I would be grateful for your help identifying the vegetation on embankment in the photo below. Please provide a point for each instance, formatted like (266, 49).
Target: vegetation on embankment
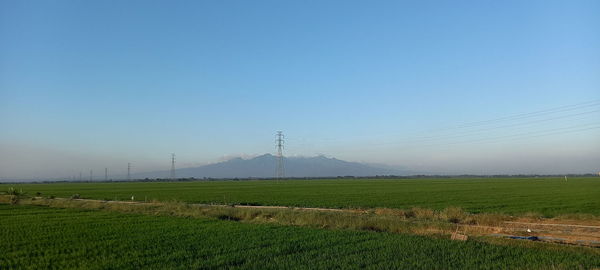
(415, 220)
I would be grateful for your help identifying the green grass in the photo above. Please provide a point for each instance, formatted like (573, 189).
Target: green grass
(39, 238)
(547, 196)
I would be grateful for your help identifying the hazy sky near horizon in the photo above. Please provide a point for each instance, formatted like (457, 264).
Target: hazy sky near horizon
(432, 86)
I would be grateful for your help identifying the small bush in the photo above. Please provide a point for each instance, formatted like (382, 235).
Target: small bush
(390, 212)
(250, 203)
(75, 196)
(490, 219)
(422, 213)
(14, 199)
(371, 227)
(453, 214)
(532, 215)
(228, 217)
(578, 216)
(15, 192)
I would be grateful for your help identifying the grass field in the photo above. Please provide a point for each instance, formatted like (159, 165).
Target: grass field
(547, 196)
(41, 237)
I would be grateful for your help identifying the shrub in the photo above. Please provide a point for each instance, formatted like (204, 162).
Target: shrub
(15, 192)
(453, 214)
(421, 213)
(14, 199)
(490, 219)
(532, 215)
(578, 216)
(391, 212)
(228, 217)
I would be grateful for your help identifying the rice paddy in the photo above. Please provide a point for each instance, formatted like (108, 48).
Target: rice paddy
(80, 234)
(35, 237)
(548, 196)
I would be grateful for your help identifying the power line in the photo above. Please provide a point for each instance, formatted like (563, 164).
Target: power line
(554, 113)
(539, 133)
(280, 173)
(536, 121)
(561, 130)
(548, 132)
(554, 133)
(522, 116)
(503, 127)
(554, 110)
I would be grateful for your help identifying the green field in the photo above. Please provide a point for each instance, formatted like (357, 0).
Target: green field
(547, 196)
(41, 237)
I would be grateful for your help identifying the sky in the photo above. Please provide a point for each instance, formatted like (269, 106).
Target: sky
(449, 87)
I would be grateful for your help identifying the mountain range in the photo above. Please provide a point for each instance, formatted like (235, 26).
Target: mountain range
(264, 166)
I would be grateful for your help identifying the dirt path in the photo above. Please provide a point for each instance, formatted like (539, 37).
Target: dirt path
(300, 208)
(552, 224)
(228, 205)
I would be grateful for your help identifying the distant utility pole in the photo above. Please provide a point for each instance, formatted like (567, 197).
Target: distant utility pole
(172, 166)
(91, 175)
(80, 178)
(279, 142)
(128, 171)
(105, 174)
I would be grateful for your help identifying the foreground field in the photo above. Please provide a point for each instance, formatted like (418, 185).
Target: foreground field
(448, 223)
(547, 196)
(41, 237)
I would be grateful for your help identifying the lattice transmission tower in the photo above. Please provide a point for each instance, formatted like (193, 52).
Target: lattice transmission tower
(172, 166)
(280, 168)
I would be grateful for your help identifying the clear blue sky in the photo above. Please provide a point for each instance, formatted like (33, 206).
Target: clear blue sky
(93, 84)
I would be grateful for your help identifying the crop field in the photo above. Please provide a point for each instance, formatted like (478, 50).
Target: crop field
(546, 196)
(40, 237)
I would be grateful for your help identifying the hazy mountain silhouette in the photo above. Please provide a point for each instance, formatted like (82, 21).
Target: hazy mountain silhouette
(264, 167)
